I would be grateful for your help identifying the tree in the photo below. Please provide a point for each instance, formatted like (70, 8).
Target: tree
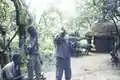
(23, 19)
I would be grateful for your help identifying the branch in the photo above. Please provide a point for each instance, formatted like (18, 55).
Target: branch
(94, 3)
(115, 25)
(43, 14)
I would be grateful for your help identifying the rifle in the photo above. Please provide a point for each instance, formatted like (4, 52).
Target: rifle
(78, 38)
(15, 78)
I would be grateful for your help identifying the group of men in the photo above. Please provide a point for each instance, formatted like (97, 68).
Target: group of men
(11, 71)
(64, 48)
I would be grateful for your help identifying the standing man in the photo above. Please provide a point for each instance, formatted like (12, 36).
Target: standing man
(34, 58)
(11, 71)
(64, 50)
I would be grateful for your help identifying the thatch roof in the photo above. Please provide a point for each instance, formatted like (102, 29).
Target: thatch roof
(101, 28)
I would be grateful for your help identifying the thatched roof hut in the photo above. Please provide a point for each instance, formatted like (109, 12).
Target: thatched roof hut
(101, 28)
(103, 33)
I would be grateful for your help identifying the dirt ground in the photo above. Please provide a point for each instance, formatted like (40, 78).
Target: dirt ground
(93, 67)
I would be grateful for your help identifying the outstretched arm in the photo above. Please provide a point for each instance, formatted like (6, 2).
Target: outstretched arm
(77, 38)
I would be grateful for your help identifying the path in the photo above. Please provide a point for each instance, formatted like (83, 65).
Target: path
(93, 67)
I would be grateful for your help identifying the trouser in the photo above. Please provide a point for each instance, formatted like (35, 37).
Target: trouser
(3, 59)
(34, 66)
(63, 65)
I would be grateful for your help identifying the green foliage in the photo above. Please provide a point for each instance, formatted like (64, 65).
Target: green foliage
(52, 19)
(5, 13)
(89, 13)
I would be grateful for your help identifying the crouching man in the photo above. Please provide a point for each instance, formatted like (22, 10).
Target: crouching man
(11, 71)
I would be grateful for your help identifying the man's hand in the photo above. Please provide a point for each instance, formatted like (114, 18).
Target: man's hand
(28, 49)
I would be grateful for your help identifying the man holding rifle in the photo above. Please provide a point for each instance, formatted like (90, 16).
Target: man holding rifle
(64, 48)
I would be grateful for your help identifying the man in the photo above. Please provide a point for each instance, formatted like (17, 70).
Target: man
(3, 56)
(34, 58)
(64, 49)
(11, 71)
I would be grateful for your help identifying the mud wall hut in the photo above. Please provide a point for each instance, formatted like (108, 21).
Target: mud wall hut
(103, 36)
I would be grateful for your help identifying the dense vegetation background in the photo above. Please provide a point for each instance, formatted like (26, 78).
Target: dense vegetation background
(52, 18)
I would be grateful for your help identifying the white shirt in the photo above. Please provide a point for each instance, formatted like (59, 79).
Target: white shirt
(9, 70)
